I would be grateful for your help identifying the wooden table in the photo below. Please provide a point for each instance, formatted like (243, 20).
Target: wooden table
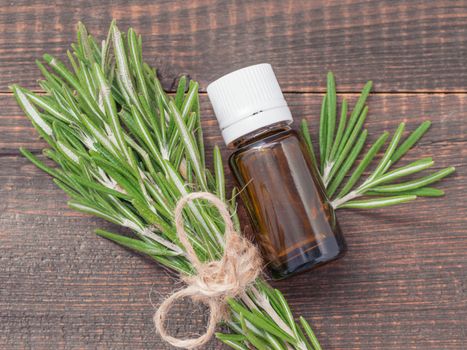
(402, 284)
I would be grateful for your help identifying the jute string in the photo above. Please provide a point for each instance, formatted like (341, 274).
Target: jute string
(214, 281)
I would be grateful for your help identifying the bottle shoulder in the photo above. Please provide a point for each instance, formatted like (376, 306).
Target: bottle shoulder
(266, 141)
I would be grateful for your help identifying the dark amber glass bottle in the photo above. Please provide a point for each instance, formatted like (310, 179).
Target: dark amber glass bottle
(294, 223)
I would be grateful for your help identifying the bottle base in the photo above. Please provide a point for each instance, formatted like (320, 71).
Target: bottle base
(305, 259)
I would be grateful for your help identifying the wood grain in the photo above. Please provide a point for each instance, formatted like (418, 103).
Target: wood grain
(404, 46)
(386, 111)
(402, 283)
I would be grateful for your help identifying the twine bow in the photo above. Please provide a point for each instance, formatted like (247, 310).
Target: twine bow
(214, 281)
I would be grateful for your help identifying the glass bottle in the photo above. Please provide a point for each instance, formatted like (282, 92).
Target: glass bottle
(294, 223)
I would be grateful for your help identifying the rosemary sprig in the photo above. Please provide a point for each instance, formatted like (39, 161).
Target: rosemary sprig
(125, 151)
(340, 150)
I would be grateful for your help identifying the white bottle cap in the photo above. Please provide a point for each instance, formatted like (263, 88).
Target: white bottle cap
(246, 100)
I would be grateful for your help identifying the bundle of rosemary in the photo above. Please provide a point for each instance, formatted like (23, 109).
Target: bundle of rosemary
(127, 152)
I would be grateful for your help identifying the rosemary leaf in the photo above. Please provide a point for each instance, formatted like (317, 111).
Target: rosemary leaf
(347, 164)
(135, 244)
(190, 145)
(414, 184)
(323, 133)
(310, 333)
(306, 136)
(331, 113)
(410, 141)
(409, 169)
(219, 172)
(419, 192)
(260, 322)
(135, 62)
(378, 202)
(356, 112)
(179, 96)
(340, 130)
(347, 148)
(385, 161)
(363, 164)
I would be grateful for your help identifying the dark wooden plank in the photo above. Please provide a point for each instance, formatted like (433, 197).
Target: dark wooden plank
(446, 111)
(401, 285)
(405, 46)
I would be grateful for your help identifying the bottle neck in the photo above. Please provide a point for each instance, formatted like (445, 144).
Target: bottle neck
(260, 133)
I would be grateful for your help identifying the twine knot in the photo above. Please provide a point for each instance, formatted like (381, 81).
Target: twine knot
(214, 281)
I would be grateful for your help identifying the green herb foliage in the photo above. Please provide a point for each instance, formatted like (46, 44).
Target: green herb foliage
(125, 151)
(340, 147)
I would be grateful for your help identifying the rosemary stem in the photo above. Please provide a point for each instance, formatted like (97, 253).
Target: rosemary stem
(338, 202)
